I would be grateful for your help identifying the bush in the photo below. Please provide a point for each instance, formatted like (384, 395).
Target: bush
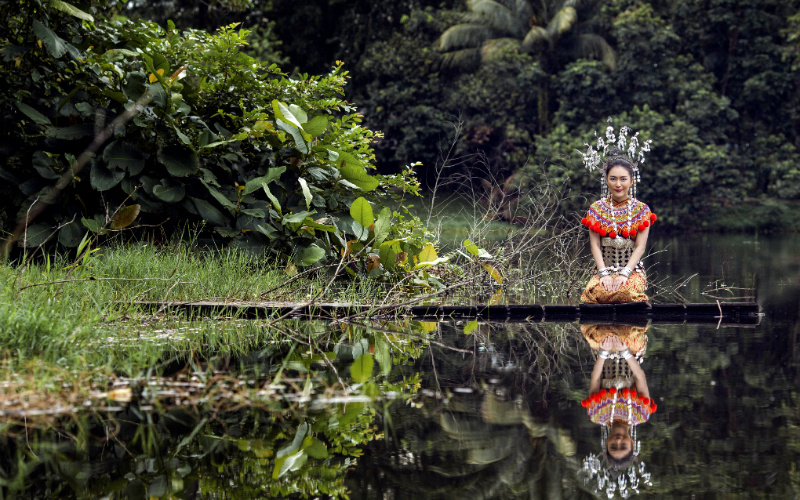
(108, 122)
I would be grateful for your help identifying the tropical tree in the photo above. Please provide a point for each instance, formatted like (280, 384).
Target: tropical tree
(552, 34)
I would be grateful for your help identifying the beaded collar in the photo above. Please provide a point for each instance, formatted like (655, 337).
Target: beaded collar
(627, 219)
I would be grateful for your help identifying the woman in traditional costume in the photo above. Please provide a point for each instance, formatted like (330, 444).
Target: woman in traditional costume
(619, 223)
(619, 400)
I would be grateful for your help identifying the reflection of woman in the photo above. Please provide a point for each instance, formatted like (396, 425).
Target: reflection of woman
(619, 400)
(619, 224)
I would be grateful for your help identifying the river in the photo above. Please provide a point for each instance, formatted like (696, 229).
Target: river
(456, 409)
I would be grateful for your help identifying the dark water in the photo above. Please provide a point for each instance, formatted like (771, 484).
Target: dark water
(485, 410)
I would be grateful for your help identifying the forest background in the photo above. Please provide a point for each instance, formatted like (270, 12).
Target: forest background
(714, 84)
(511, 88)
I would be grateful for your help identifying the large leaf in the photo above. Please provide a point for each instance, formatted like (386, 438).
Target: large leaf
(316, 126)
(361, 369)
(361, 212)
(306, 192)
(56, 47)
(296, 217)
(382, 226)
(71, 10)
(125, 216)
(180, 161)
(298, 113)
(255, 184)
(33, 114)
(73, 132)
(309, 255)
(296, 135)
(169, 190)
(209, 213)
(120, 154)
(282, 112)
(317, 449)
(103, 178)
(71, 234)
(428, 254)
(272, 198)
(36, 234)
(352, 170)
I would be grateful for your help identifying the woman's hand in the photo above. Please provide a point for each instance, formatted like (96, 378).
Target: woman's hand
(608, 343)
(617, 283)
(617, 344)
(607, 282)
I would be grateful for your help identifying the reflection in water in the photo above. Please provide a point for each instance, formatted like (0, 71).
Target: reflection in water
(619, 401)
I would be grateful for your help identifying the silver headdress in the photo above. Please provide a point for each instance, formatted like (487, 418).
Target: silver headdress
(616, 147)
(611, 480)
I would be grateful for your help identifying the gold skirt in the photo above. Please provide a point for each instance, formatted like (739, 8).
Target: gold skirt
(631, 291)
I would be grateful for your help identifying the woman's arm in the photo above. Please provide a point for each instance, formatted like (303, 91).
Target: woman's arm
(638, 249)
(638, 375)
(597, 375)
(597, 250)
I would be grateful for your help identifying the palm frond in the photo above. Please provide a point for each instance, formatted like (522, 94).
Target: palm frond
(595, 46)
(465, 36)
(536, 37)
(562, 21)
(493, 48)
(464, 59)
(500, 17)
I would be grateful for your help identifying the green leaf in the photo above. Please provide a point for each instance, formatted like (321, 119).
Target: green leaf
(227, 232)
(169, 190)
(382, 226)
(36, 234)
(258, 213)
(255, 184)
(308, 255)
(272, 198)
(358, 176)
(361, 369)
(102, 178)
(306, 192)
(267, 230)
(387, 256)
(299, 113)
(470, 327)
(284, 113)
(71, 133)
(33, 114)
(209, 212)
(91, 224)
(71, 10)
(296, 442)
(316, 225)
(297, 217)
(317, 450)
(471, 247)
(221, 198)
(125, 216)
(70, 235)
(56, 47)
(361, 212)
(296, 135)
(180, 161)
(120, 154)
(317, 126)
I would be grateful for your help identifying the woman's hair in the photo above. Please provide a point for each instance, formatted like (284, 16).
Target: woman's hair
(619, 162)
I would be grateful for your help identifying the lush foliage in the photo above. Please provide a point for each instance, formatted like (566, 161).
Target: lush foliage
(107, 121)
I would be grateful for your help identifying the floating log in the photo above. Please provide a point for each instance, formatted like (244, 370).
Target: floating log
(727, 312)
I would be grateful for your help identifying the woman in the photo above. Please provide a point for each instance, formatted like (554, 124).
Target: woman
(619, 400)
(620, 225)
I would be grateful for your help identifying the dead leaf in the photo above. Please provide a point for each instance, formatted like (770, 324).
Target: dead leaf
(125, 216)
(373, 262)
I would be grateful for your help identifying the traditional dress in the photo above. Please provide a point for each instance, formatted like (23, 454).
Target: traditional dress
(618, 225)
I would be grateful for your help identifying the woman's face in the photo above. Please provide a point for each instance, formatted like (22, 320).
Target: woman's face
(619, 443)
(619, 183)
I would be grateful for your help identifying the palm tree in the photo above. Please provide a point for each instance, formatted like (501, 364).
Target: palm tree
(491, 26)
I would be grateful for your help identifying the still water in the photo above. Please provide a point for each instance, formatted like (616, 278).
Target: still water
(470, 410)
